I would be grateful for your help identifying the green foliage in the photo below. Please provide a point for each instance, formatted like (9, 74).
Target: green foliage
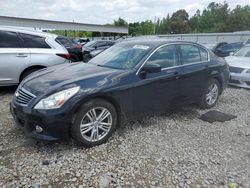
(179, 22)
(71, 33)
(217, 17)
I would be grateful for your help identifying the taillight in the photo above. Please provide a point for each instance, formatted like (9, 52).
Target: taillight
(78, 46)
(65, 56)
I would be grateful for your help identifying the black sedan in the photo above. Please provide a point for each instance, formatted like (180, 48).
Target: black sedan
(130, 80)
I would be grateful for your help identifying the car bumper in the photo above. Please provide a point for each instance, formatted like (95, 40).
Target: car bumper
(41, 125)
(240, 80)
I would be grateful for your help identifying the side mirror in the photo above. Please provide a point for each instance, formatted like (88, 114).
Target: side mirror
(151, 68)
(231, 53)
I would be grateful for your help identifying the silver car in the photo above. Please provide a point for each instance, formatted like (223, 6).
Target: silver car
(239, 66)
(23, 52)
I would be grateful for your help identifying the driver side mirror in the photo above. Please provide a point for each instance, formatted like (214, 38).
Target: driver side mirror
(151, 68)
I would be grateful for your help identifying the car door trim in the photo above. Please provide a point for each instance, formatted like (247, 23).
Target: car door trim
(176, 43)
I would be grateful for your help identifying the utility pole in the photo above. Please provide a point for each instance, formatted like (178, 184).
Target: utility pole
(154, 24)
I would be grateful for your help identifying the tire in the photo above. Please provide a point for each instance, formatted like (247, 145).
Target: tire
(205, 101)
(28, 72)
(89, 133)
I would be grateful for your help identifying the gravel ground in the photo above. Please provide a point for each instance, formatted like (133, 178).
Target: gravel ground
(174, 150)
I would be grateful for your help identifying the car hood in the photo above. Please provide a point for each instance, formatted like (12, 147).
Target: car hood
(57, 77)
(242, 62)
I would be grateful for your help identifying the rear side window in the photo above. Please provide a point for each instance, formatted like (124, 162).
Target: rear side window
(32, 41)
(65, 42)
(9, 40)
(192, 54)
(204, 54)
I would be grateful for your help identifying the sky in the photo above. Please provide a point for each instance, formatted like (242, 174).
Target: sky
(103, 11)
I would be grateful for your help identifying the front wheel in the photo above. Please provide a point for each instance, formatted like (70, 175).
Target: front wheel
(95, 122)
(210, 95)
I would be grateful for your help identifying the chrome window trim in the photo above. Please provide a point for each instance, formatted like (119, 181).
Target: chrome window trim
(176, 43)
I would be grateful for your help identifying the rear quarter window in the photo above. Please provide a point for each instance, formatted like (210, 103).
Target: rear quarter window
(33, 41)
(65, 42)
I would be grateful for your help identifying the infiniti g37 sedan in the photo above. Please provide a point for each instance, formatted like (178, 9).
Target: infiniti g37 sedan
(130, 80)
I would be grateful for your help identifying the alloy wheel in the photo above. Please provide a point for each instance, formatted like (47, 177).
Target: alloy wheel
(212, 94)
(96, 124)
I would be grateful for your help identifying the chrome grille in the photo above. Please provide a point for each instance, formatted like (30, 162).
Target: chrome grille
(23, 96)
(236, 69)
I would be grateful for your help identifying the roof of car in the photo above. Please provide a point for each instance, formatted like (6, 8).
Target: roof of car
(153, 41)
(27, 31)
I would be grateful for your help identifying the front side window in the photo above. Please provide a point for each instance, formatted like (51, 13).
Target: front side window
(192, 54)
(9, 40)
(33, 41)
(165, 57)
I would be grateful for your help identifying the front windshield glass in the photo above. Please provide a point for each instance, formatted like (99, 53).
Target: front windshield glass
(90, 43)
(243, 52)
(121, 56)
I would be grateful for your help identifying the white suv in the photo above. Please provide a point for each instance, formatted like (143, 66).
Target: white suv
(22, 52)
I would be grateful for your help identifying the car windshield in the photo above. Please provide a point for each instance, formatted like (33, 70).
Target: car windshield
(90, 43)
(243, 52)
(121, 56)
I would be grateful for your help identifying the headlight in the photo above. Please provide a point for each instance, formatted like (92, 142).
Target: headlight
(57, 100)
(248, 71)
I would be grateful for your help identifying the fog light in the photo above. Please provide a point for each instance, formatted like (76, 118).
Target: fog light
(39, 129)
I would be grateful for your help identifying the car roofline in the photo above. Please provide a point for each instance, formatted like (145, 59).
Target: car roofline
(27, 31)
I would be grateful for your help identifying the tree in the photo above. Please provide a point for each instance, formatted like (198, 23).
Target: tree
(180, 22)
(239, 20)
(120, 22)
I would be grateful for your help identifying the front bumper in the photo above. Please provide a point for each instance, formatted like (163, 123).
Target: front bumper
(55, 124)
(240, 80)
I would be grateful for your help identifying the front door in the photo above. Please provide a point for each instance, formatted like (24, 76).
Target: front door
(153, 92)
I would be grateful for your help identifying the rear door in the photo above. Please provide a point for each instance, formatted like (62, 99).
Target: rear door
(13, 57)
(195, 71)
(40, 51)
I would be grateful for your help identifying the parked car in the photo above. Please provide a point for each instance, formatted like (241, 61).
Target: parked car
(93, 48)
(83, 41)
(127, 81)
(247, 42)
(239, 66)
(214, 46)
(23, 52)
(75, 50)
(226, 49)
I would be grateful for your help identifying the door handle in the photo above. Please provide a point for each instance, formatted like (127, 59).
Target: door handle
(21, 55)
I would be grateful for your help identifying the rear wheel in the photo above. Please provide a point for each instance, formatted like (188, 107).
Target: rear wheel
(94, 123)
(210, 95)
